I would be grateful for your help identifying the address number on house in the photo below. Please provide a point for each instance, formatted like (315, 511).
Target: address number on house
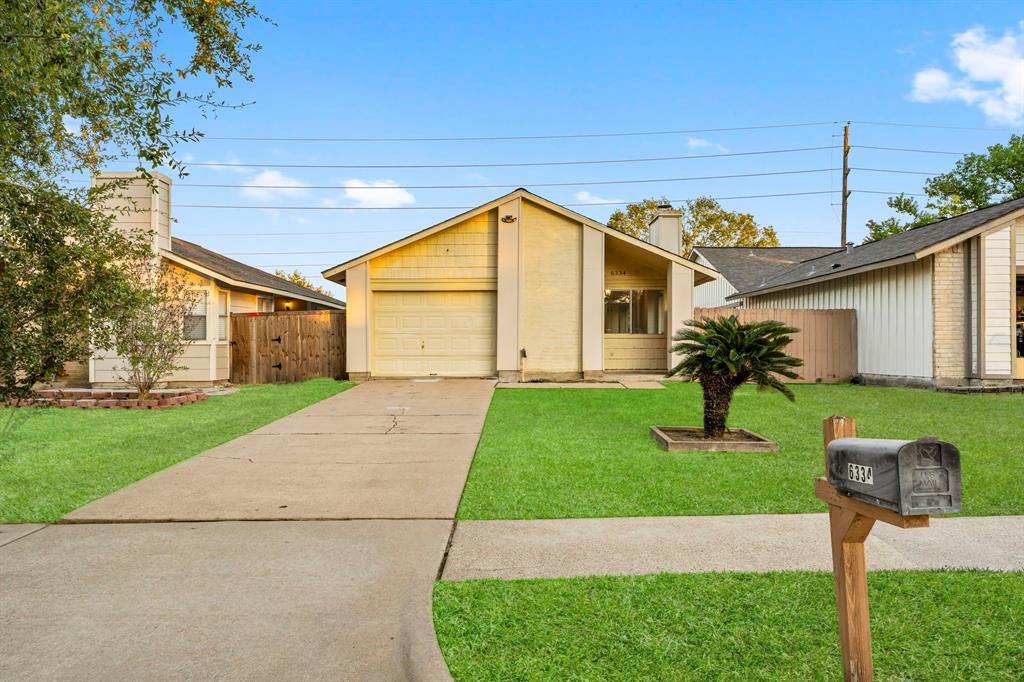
(858, 473)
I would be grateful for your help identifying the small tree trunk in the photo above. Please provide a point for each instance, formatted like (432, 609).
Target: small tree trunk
(717, 399)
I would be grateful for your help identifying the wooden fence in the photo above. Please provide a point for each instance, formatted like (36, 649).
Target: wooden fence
(281, 347)
(826, 342)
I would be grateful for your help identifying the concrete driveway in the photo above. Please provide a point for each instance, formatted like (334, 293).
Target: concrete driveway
(382, 450)
(113, 597)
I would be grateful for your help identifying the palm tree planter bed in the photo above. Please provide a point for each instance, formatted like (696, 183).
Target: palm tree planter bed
(693, 439)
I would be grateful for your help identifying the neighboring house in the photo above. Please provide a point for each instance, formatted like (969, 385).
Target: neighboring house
(228, 287)
(744, 267)
(939, 305)
(521, 288)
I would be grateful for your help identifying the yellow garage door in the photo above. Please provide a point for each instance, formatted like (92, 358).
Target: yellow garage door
(434, 333)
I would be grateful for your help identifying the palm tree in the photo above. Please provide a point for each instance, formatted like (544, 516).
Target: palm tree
(723, 353)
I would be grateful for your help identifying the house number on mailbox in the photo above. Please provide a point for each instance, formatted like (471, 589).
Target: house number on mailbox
(860, 473)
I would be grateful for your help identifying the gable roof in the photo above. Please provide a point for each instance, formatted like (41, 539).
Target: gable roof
(701, 273)
(745, 266)
(241, 275)
(904, 247)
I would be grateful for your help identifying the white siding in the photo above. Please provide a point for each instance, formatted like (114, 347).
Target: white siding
(713, 294)
(1020, 243)
(997, 302)
(894, 315)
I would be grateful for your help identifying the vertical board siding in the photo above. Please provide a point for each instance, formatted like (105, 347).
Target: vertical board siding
(552, 297)
(826, 342)
(284, 347)
(997, 302)
(894, 317)
(713, 294)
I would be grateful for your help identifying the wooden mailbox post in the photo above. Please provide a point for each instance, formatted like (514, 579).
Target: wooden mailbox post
(850, 522)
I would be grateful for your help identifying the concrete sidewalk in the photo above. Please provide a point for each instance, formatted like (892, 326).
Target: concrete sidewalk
(112, 597)
(385, 449)
(783, 542)
(328, 600)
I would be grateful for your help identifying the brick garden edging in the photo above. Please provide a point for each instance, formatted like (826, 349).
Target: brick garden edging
(109, 398)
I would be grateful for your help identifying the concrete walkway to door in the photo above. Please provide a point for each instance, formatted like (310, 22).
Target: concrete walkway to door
(360, 491)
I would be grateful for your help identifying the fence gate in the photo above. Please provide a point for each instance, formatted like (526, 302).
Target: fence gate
(282, 347)
(826, 342)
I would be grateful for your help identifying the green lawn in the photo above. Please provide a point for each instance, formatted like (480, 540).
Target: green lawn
(588, 453)
(55, 460)
(728, 626)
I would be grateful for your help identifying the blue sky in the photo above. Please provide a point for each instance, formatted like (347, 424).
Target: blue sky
(491, 69)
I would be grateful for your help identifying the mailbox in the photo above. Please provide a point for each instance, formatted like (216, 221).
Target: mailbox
(909, 477)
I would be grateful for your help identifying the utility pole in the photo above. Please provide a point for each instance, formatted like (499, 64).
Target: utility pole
(846, 173)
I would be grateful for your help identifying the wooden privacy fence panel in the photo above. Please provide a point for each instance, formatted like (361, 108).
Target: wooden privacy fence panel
(826, 342)
(268, 348)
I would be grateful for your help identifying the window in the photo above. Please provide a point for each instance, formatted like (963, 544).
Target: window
(195, 321)
(222, 316)
(634, 311)
(265, 305)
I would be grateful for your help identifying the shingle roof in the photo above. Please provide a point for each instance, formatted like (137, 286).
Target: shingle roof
(241, 272)
(902, 245)
(744, 267)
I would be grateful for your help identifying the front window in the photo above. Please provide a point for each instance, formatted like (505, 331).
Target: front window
(634, 311)
(195, 321)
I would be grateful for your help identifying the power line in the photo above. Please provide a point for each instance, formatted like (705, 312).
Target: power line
(463, 208)
(893, 170)
(931, 125)
(520, 184)
(302, 234)
(489, 138)
(916, 151)
(505, 165)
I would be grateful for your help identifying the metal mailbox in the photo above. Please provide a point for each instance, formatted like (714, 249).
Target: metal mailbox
(909, 477)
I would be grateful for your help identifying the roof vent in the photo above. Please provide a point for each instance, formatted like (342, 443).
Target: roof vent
(849, 247)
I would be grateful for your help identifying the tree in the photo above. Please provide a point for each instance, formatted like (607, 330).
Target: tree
(86, 82)
(723, 353)
(705, 223)
(64, 270)
(976, 181)
(296, 277)
(148, 334)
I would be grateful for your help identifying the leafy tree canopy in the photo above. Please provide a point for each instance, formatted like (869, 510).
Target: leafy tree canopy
(705, 223)
(976, 181)
(296, 277)
(84, 83)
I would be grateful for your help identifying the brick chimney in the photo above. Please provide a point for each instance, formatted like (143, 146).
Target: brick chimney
(665, 229)
(139, 207)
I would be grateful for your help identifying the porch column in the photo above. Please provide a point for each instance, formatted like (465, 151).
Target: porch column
(357, 328)
(592, 327)
(508, 291)
(679, 303)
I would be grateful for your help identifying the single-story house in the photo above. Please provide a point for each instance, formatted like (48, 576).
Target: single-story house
(520, 288)
(228, 287)
(744, 267)
(940, 305)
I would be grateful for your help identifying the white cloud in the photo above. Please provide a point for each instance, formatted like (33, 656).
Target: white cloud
(374, 194)
(216, 165)
(585, 197)
(72, 125)
(700, 143)
(282, 186)
(991, 75)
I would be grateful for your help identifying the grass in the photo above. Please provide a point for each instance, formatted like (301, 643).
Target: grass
(728, 626)
(588, 453)
(55, 460)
